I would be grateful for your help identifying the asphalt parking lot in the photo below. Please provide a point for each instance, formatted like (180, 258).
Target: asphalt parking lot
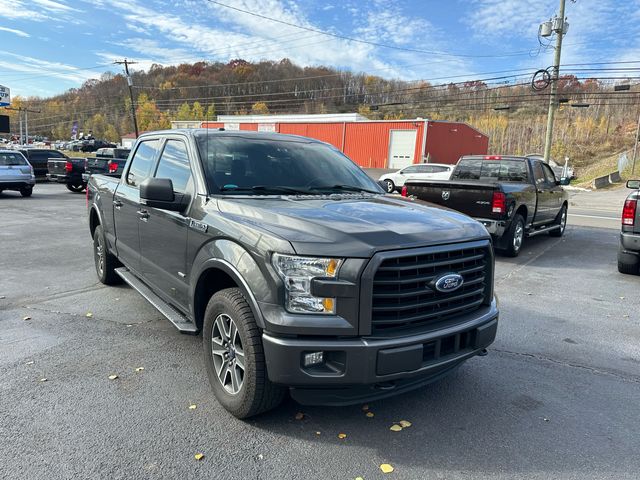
(557, 396)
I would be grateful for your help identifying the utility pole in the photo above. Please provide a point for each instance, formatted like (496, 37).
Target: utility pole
(635, 147)
(26, 111)
(559, 29)
(126, 64)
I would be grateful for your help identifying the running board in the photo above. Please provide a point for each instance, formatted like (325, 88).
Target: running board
(175, 317)
(542, 230)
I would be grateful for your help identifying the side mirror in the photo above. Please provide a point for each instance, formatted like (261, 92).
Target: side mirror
(634, 184)
(158, 193)
(564, 181)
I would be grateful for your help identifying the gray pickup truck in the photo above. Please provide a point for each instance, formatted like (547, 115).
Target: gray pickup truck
(300, 272)
(629, 248)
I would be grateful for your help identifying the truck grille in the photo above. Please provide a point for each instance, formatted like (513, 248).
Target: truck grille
(402, 298)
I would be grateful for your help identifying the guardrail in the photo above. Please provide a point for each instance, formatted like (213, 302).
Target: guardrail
(606, 180)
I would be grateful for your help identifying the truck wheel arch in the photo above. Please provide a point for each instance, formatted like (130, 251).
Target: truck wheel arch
(215, 275)
(94, 220)
(522, 210)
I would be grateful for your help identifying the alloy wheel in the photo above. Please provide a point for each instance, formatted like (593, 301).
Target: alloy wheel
(228, 354)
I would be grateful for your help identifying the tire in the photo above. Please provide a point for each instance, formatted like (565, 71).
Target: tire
(248, 392)
(514, 237)
(75, 188)
(628, 263)
(627, 269)
(26, 192)
(389, 186)
(561, 219)
(104, 261)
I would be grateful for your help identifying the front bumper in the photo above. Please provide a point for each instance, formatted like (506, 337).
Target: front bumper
(367, 368)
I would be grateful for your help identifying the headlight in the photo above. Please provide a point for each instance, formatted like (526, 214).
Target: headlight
(297, 273)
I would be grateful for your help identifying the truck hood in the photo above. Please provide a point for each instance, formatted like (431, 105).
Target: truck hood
(352, 225)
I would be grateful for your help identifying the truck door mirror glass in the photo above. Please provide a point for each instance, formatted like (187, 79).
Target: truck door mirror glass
(634, 184)
(564, 181)
(158, 193)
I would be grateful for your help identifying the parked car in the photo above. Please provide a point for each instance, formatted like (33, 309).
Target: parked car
(107, 160)
(301, 273)
(629, 248)
(513, 197)
(16, 173)
(422, 171)
(92, 145)
(68, 171)
(39, 157)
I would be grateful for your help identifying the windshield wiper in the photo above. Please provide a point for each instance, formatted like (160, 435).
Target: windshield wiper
(344, 188)
(275, 189)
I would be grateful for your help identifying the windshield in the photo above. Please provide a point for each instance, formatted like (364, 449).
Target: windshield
(245, 165)
(7, 159)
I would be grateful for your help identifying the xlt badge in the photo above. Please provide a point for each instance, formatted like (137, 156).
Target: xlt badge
(200, 226)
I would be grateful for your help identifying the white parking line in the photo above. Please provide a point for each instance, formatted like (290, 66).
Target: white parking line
(593, 216)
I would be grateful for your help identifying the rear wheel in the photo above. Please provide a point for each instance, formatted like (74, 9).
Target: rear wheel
(389, 186)
(514, 236)
(628, 263)
(105, 262)
(561, 220)
(26, 191)
(76, 188)
(234, 356)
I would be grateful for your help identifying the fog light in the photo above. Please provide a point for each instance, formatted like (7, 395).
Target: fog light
(313, 358)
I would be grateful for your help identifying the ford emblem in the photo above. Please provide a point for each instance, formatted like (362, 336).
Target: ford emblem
(446, 194)
(449, 282)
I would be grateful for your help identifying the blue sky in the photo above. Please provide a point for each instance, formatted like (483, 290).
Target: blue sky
(48, 46)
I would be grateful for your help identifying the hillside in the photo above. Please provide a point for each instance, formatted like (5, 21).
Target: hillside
(505, 107)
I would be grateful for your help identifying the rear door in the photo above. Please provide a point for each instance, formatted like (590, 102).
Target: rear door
(544, 191)
(126, 203)
(163, 235)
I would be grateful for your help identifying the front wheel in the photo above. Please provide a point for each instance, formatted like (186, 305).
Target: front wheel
(76, 188)
(234, 356)
(26, 191)
(561, 220)
(389, 186)
(514, 236)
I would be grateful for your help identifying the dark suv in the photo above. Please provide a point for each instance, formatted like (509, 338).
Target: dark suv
(629, 249)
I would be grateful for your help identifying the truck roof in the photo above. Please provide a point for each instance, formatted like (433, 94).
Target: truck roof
(496, 157)
(232, 133)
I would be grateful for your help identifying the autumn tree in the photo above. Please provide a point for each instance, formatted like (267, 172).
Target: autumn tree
(260, 108)
(184, 112)
(197, 112)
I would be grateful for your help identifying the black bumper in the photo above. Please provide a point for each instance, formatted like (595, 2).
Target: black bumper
(367, 368)
(73, 179)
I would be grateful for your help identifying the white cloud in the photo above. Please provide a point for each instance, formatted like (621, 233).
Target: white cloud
(20, 33)
(31, 66)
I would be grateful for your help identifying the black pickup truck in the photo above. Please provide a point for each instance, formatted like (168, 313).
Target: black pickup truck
(300, 272)
(39, 159)
(68, 171)
(513, 197)
(107, 160)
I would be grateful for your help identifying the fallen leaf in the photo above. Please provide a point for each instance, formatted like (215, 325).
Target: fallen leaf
(193, 406)
(43, 379)
(625, 316)
(395, 427)
(2, 297)
(546, 419)
(89, 314)
(359, 478)
(342, 436)
(30, 362)
(139, 369)
(386, 468)
(318, 433)
(260, 456)
(299, 416)
(113, 377)
(529, 293)
(198, 456)
(405, 423)
(129, 325)
(27, 318)
(370, 414)
(621, 298)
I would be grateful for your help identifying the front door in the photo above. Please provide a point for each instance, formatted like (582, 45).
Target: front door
(163, 235)
(126, 204)
(544, 194)
(555, 192)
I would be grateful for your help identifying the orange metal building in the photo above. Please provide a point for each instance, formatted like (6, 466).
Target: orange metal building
(379, 144)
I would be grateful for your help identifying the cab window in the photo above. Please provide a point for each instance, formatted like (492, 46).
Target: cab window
(548, 173)
(174, 164)
(538, 173)
(142, 162)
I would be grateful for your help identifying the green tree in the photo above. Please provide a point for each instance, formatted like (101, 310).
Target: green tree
(111, 134)
(211, 112)
(97, 124)
(197, 112)
(184, 112)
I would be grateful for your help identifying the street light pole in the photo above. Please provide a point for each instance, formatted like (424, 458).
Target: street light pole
(553, 103)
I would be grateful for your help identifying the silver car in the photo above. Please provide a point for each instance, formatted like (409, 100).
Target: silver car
(16, 173)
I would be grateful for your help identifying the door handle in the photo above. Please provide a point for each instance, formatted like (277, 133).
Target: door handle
(117, 204)
(143, 214)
